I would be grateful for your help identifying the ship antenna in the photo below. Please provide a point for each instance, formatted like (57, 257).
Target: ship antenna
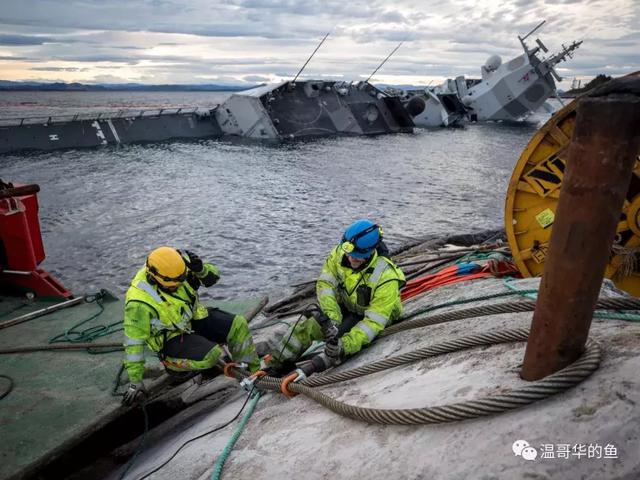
(308, 59)
(384, 61)
(522, 39)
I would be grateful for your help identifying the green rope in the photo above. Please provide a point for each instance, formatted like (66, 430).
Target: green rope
(615, 315)
(88, 335)
(532, 294)
(485, 255)
(629, 317)
(217, 468)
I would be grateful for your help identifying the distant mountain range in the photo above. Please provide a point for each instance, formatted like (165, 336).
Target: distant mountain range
(6, 85)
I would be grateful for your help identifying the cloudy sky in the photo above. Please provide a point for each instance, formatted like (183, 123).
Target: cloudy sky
(249, 41)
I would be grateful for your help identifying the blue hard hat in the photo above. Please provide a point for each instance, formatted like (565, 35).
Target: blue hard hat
(361, 238)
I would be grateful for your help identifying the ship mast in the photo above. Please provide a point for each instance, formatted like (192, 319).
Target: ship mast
(384, 61)
(310, 57)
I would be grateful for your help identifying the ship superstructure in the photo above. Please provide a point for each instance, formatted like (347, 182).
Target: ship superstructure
(509, 90)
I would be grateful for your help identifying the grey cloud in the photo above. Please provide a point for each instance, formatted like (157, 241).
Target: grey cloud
(22, 40)
(376, 33)
(442, 38)
(174, 60)
(129, 47)
(106, 79)
(14, 59)
(142, 16)
(59, 69)
(390, 16)
(100, 58)
(255, 78)
(336, 8)
(623, 43)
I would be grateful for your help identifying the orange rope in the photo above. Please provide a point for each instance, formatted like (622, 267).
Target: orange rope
(258, 374)
(226, 368)
(450, 274)
(285, 384)
(446, 276)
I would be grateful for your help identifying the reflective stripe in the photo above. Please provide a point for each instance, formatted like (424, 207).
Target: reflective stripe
(246, 344)
(132, 341)
(377, 318)
(142, 285)
(136, 357)
(378, 271)
(327, 277)
(326, 291)
(183, 326)
(158, 325)
(367, 331)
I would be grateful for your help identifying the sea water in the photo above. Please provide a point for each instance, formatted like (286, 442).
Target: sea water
(266, 215)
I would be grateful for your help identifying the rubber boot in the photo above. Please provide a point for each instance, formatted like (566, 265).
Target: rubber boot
(176, 378)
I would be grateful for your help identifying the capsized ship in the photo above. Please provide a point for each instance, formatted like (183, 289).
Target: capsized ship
(279, 112)
(508, 91)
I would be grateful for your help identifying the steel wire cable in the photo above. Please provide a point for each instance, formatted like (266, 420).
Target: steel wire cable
(496, 309)
(550, 385)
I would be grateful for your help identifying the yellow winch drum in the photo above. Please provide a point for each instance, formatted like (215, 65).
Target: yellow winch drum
(533, 195)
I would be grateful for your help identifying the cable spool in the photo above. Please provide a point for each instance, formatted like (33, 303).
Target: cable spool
(532, 198)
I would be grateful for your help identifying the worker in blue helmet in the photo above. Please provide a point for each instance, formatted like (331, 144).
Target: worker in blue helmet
(358, 294)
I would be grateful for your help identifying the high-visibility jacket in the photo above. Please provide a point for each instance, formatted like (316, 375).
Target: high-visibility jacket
(373, 292)
(153, 316)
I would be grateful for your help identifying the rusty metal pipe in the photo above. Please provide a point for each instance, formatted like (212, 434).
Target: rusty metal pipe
(601, 157)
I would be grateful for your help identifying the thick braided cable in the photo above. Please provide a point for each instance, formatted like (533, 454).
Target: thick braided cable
(496, 309)
(550, 385)
(489, 338)
(555, 383)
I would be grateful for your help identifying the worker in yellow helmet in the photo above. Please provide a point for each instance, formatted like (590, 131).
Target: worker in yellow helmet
(162, 310)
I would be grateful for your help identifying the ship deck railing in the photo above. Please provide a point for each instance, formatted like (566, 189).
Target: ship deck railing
(94, 116)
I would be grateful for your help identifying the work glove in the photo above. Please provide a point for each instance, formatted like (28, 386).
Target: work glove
(193, 261)
(333, 350)
(329, 329)
(136, 393)
(330, 333)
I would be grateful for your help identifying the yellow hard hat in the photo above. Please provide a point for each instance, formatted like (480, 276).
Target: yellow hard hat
(167, 267)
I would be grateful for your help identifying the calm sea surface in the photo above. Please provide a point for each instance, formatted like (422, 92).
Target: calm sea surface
(267, 215)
